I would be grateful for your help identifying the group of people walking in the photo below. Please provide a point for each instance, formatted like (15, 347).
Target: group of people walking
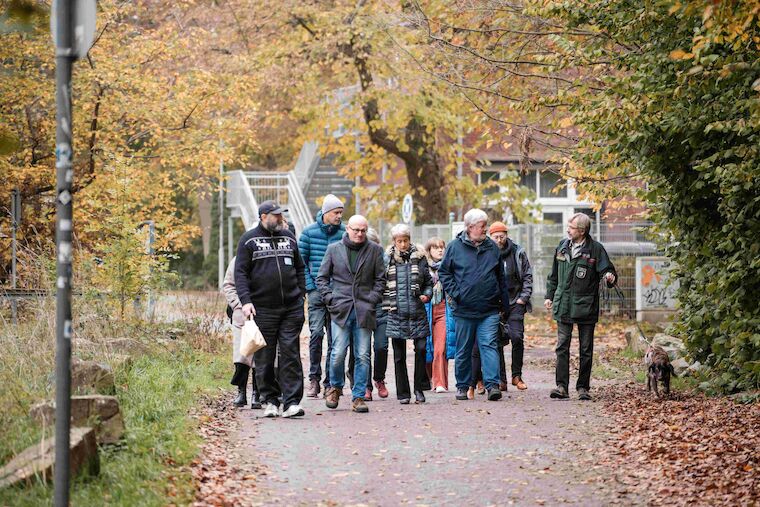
(463, 301)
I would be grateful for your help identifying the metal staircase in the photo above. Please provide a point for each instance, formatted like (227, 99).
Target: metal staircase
(326, 180)
(312, 176)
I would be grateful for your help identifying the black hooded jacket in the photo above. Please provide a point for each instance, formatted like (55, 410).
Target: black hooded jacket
(269, 271)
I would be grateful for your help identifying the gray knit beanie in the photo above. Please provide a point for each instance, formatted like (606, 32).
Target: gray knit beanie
(330, 203)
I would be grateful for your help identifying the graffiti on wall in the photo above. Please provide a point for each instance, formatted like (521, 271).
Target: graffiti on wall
(654, 289)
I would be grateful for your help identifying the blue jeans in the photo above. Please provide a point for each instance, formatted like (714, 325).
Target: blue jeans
(486, 332)
(360, 338)
(319, 321)
(380, 346)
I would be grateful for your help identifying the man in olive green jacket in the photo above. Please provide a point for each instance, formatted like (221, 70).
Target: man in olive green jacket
(572, 294)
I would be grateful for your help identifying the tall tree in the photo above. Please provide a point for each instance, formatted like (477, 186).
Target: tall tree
(353, 67)
(150, 109)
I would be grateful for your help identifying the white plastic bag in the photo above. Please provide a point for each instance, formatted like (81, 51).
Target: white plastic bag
(251, 338)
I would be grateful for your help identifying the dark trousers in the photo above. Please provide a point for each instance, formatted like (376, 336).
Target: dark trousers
(281, 328)
(240, 377)
(319, 324)
(586, 342)
(477, 372)
(516, 330)
(421, 380)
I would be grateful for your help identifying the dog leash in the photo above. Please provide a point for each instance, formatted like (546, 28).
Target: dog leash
(635, 320)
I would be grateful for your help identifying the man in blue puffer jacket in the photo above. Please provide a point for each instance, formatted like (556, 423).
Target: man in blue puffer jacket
(313, 244)
(477, 289)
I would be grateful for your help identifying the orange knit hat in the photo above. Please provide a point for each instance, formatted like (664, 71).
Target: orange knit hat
(497, 227)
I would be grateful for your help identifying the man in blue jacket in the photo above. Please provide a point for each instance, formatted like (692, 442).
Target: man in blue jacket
(472, 278)
(313, 244)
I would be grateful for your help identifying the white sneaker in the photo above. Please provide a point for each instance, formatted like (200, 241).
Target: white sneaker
(293, 411)
(441, 389)
(271, 410)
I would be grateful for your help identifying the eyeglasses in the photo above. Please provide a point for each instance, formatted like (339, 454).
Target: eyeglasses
(359, 231)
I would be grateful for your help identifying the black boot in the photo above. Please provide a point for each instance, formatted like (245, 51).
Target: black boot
(240, 379)
(255, 400)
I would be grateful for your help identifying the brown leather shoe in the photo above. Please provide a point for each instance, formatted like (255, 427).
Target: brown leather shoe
(480, 389)
(332, 396)
(471, 393)
(367, 395)
(313, 391)
(518, 381)
(382, 391)
(502, 386)
(358, 405)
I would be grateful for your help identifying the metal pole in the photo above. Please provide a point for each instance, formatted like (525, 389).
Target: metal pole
(15, 218)
(598, 226)
(65, 57)
(357, 197)
(229, 240)
(149, 252)
(221, 217)
(460, 161)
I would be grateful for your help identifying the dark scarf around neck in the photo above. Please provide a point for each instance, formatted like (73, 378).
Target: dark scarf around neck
(350, 244)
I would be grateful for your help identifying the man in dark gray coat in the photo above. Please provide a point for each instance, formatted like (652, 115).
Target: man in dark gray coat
(351, 281)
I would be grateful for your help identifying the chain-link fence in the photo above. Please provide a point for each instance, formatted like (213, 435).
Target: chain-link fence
(624, 241)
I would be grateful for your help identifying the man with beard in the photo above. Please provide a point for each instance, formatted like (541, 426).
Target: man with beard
(269, 277)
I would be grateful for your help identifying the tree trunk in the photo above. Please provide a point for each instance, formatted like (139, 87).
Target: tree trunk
(423, 169)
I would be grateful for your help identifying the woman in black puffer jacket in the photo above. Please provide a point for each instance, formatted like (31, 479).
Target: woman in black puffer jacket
(409, 287)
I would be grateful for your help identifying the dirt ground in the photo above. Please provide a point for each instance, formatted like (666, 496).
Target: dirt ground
(525, 449)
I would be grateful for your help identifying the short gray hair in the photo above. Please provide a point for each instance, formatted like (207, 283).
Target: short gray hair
(474, 216)
(401, 230)
(582, 221)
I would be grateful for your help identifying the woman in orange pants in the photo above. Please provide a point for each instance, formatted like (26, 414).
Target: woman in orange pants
(441, 344)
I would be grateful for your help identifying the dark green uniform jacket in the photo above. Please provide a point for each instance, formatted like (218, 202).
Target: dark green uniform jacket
(573, 284)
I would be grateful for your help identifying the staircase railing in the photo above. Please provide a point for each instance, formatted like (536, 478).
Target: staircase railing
(246, 189)
(308, 160)
(240, 197)
(298, 207)
(283, 188)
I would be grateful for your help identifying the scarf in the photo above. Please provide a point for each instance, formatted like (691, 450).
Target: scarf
(350, 244)
(437, 285)
(353, 252)
(411, 256)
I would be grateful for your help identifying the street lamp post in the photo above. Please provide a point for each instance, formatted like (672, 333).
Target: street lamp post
(220, 260)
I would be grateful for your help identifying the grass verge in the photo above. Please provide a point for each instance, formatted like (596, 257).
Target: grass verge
(157, 392)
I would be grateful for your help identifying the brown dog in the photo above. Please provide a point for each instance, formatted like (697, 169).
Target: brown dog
(658, 369)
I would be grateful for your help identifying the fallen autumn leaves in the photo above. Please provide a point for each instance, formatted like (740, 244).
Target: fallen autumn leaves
(683, 449)
(220, 476)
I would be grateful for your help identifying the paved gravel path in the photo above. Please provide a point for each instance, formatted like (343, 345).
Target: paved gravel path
(523, 450)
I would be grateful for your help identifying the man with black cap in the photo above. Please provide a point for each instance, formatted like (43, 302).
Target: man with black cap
(269, 277)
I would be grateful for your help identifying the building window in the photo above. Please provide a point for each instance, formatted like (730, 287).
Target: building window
(553, 218)
(552, 184)
(543, 182)
(586, 211)
(485, 177)
(529, 179)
